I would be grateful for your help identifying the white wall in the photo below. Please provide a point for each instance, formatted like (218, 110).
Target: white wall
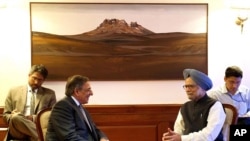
(226, 46)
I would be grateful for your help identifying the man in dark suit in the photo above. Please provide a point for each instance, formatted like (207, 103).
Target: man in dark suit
(24, 102)
(69, 121)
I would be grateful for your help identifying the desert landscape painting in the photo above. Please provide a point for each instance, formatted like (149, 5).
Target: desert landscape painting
(118, 49)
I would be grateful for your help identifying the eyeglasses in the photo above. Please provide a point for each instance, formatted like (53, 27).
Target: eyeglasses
(37, 79)
(189, 86)
(86, 90)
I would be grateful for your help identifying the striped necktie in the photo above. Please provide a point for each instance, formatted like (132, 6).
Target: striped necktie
(85, 117)
(32, 103)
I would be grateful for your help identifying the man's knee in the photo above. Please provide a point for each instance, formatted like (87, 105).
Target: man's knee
(15, 119)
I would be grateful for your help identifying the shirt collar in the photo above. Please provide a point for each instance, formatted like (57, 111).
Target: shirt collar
(76, 101)
(225, 91)
(30, 90)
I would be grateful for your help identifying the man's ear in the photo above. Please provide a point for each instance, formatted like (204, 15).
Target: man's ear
(76, 91)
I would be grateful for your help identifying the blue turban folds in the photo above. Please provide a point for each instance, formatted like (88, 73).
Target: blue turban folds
(199, 78)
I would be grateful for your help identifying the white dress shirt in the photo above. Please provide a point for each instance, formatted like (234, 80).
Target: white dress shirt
(215, 122)
(241, 99)
(28, 100)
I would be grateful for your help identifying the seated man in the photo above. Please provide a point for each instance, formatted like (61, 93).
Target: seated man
(232, 92)
(69, 120)
(24, 102)
(202, 117)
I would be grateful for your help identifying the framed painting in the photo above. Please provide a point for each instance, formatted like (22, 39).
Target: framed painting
(119, 41)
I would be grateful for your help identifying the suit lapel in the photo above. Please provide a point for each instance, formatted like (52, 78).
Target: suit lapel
(83, 119)
(91, 125)
(39, 95)
(23, 97)
(79, 112)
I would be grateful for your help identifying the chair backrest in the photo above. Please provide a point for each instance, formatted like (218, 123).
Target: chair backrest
(231, 118)
(42, 123)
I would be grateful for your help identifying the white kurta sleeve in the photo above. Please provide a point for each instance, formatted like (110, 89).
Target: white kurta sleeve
(215, 121)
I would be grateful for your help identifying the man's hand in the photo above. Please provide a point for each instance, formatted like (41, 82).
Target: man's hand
(103, 139)
(246, 115)
(29, 117)
(171, 136)
(15, 112)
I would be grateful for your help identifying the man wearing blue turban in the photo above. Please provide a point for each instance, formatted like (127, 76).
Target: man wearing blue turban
(202, 117)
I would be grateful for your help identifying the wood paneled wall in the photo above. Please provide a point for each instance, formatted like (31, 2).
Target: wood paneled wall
(3, 126)
(129, 122)
(134, 122)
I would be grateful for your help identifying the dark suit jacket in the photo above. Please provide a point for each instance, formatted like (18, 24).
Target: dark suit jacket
(16, 99)
(67, 123)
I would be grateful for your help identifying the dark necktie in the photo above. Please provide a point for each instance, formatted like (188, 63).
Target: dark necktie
(85, 117)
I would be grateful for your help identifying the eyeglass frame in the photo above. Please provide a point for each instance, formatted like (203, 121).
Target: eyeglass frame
(190, 86)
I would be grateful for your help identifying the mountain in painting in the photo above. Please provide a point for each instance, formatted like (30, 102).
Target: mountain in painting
(116, 50)
(115, 26)
(114, 29)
